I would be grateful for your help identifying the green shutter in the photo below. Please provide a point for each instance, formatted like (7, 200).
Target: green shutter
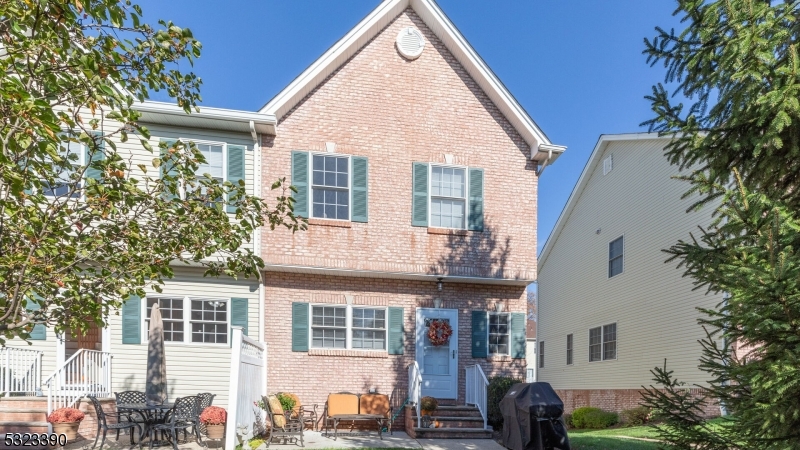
(300, 182)
(359, 190)
(99, 155)
(395, 342)
(235, 168)
(132, 320)
(419, 202)
(239, 313)
(480, 336)
(518, 340)
(475, 221)
(299, 327)
(39, 332)
(162, 169)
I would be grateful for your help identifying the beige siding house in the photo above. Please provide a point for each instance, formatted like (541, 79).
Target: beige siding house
(610, 309)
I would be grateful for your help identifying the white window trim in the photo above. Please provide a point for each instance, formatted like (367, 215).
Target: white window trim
(187, 319)
(466, 194)
(224, 159)
(348, 343)
(608, 259)
(349, 185)
(488, 333)
(602, 341)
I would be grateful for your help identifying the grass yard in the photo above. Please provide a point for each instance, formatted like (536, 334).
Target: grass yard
(613, 439)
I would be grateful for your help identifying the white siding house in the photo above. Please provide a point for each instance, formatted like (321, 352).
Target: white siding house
(610, 308)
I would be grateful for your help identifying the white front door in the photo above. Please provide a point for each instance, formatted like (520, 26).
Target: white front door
(438, 363)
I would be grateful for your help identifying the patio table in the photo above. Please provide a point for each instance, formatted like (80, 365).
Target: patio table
(381, 419)
(152, 414)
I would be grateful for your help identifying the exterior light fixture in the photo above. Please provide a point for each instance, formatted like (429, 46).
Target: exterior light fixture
(215, 304)
(499, 307)
(439, 284)
(437, 303)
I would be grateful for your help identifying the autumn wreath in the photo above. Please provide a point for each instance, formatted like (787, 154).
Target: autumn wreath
(439, 332)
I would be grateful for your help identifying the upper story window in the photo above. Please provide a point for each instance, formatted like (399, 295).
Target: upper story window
(603, 343)
(330, 185)
(499, 333)
(73, 154)
(448, 197)
(348, 327)
(569, 349)
(214, 166)
(191, 319)
(615, 250)
(541, 354)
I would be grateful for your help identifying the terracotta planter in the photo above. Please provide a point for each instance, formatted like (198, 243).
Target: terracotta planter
(216, 431)
(70, 429)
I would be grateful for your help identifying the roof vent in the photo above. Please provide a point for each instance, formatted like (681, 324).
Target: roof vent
(410, 43)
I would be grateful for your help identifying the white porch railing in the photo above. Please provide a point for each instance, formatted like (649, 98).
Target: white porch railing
(476, 389)
(87, 372)
(530, 376)
(20, 371)
(415, 389)
(248, 383)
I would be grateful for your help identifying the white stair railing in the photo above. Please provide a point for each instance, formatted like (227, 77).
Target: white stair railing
(415, 389)
(20, 371)
(87, 372)
(477, 385)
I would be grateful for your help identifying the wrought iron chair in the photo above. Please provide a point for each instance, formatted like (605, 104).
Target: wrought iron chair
(204, 400)
(308, 414)
(103, 424)
(180, 417)
(281, 423)
(129, 397)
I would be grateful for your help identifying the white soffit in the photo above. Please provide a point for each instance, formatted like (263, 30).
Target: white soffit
(443, 28)
(594, 160)
(209, 118)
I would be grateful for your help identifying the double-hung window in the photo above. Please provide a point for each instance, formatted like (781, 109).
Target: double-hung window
(72, 155)
(448, 197)
(330, 185)
(498, 333)
(541, 354)
(348, 327)
(191, 319)
(603, 343)
(214, 154)
(615, 250)
(569, 349)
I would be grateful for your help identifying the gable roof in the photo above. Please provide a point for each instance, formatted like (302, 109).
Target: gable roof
(594, 160)
(542, 149)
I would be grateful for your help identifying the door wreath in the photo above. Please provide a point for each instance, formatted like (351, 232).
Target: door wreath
(439, 332)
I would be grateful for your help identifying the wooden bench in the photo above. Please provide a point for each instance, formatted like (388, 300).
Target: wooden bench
(352, 407)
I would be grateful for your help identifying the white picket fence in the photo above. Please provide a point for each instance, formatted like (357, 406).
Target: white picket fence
(248, 383)
(20, 372)
(477, 386)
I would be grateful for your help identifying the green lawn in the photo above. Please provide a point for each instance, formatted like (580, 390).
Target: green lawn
(609, 439)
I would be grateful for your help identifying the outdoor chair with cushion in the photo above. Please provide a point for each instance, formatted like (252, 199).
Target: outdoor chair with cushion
(281, 423)
(102, 424)
(181, 417)
(128, 397)
(350, 407)
(308, 414)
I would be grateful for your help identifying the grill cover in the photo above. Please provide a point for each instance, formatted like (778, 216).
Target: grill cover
(532, 418)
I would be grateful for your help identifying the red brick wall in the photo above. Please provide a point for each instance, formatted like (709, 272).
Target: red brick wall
(615, 400)
(313, 375)
(396, 112)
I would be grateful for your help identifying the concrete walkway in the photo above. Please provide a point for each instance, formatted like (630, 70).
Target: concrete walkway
(317, 440)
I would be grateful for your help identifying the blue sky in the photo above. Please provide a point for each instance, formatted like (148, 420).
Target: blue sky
(575, 66)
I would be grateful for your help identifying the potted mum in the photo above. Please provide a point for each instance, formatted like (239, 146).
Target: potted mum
(214, 419)
(66, 421)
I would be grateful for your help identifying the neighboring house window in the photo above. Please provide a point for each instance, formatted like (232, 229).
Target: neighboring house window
(603, 343)
(615, 249)
(207, 318)
(65, 170)
(541, 355)
(330, 185)
(448, 197)
(347, 327)
(498, 333)
(569, 349)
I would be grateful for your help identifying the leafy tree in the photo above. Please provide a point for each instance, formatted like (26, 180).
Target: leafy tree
(737, 62)
(79, 235)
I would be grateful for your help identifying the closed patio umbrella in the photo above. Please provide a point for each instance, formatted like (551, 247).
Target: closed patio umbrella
(156, 381)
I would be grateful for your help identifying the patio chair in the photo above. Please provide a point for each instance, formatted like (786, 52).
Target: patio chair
(204, 400)
(129, 397)
(281, 423)
(309, 416)
(102, 424)
(180, 417)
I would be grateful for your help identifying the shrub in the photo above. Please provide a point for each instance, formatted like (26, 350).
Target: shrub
(600, 419)
(579, 414)
(636, 416)
(213, 415)
(287, 402)
(65, 415)
(567, 420)
(428, 404)
(498, 388)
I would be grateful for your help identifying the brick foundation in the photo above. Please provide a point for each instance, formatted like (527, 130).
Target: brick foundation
(615, 400)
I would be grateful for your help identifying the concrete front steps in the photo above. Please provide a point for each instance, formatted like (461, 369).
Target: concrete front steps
(454, 422)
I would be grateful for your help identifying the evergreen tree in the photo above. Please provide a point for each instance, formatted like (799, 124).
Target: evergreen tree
(737, 63)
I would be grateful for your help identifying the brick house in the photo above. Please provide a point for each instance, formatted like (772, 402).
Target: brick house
(401, 143)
